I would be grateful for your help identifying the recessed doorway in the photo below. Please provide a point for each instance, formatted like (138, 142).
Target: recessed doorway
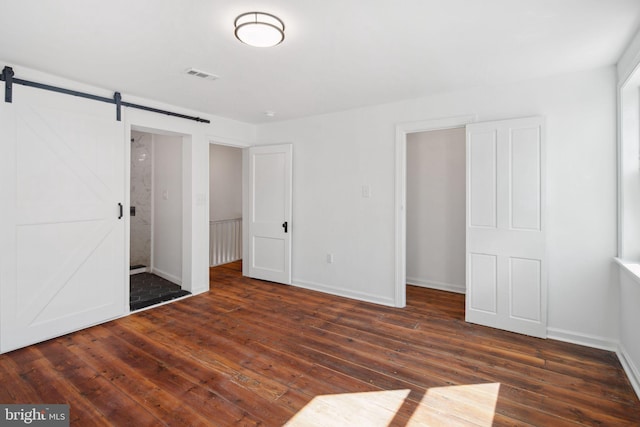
(436, 209)
(156, 218)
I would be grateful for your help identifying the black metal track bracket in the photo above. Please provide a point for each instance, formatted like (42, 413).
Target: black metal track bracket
(117, 98)
(8, 77)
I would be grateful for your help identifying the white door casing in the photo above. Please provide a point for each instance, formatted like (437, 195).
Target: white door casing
(402, 131)
(506, 254)
(270, 185)
(62, 264)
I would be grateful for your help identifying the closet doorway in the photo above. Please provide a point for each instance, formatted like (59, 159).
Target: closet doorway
(505, 247)
(156, 219)
(417, 270)
(435, 215)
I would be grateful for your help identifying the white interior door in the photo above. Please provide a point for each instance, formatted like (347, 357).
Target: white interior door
(506, 261)
(62, 265)
(270, 169)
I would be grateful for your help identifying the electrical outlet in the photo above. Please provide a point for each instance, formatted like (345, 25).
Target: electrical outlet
(329, 258)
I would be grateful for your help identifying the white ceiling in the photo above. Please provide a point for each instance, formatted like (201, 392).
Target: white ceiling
(338, 54)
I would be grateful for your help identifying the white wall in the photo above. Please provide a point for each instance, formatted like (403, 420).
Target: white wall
(436, 209)
(167, 207)
(335, 154)
(225, 182)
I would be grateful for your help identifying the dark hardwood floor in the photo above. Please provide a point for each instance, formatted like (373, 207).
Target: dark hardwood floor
(256, 353)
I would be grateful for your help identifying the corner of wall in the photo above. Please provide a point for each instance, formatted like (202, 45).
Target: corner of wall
(632, 371)
(629, 59)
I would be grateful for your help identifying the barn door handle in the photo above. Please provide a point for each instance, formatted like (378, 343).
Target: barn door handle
(285, 225)
(120, 207)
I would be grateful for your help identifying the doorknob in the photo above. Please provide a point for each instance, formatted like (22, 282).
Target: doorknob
(285, 225)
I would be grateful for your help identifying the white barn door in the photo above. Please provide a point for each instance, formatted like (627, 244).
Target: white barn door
(506, 261)
(62, 245)
(270, 169)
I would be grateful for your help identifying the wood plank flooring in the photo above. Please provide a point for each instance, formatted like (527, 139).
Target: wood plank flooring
(256, 353)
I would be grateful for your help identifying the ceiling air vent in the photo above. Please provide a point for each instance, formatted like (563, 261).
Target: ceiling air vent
(201, 74)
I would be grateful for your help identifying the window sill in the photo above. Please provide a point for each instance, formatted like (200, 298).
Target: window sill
(632, 267)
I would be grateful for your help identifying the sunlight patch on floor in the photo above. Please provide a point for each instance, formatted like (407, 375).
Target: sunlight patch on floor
(376, 408)
(472, 405)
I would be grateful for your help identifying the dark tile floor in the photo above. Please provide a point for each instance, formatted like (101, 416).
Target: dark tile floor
(147, 289)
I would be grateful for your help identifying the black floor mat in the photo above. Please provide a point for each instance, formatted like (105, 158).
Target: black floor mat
(148, 289)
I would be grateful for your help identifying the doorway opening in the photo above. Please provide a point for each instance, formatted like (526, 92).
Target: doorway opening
(225, 205)
(448, 127)
(156, 219)
(435, 246)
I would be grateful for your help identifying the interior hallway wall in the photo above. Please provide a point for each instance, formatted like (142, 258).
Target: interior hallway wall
(436, 209)
(167, 207)
(141, 162)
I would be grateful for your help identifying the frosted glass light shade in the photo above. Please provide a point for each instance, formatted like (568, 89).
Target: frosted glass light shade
(259, 29)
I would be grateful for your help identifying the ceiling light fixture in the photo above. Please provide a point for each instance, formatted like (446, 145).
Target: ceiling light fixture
(259, 29)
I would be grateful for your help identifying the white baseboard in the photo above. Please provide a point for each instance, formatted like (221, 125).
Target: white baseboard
(199, 291)
(138, 271)
(361, 296)
(169, 277)
(212, 264)
(582, 339)
(432, 284)
(632, 371)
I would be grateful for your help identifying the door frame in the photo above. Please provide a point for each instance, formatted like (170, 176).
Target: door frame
(223, 142)
(402, 130)
(187, 172)
(244, 146)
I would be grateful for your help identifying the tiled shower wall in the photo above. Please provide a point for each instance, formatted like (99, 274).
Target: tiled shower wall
(141, 182)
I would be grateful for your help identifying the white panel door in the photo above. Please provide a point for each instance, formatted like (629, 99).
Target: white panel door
(62, 265)
(270, 169)
(506, 261)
